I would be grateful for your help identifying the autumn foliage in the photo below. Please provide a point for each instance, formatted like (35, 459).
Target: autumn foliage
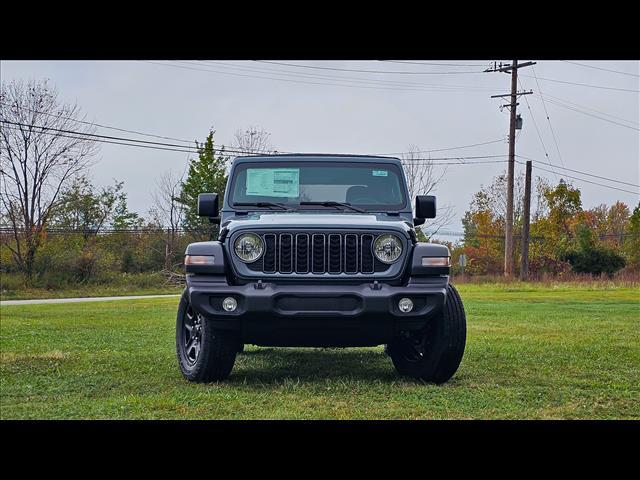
(563, 236)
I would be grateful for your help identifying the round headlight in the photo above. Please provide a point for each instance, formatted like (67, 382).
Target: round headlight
(248, 247)
(387, 248)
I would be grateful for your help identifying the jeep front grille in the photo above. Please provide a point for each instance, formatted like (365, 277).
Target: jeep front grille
(333, 253)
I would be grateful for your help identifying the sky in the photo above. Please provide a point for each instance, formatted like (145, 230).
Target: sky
(317, 106)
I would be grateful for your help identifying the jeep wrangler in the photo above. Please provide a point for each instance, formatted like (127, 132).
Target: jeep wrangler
(319, 251)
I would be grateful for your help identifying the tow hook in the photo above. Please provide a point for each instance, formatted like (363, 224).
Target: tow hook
(376, 285)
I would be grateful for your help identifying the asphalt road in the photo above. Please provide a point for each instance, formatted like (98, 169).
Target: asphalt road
(82, 299)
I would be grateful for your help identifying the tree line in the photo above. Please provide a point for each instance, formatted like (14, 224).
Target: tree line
(564, 236)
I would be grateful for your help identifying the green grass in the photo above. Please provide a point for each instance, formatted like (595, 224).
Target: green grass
(532, 352)
(12, 287)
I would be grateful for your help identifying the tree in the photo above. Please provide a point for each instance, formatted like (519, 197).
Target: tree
(123, 218)
(422, 179)
(168, 210)
(632, 238)
(484, 225)
(207, 173)
(81, 207)
(253, 140)
(37, 160)
(591, 256)
(564, 203)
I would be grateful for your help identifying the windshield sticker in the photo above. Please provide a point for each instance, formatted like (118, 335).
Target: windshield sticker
(379, 173)
(273, 182)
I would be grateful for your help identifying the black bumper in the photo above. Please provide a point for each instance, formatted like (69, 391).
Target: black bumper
(280, 314)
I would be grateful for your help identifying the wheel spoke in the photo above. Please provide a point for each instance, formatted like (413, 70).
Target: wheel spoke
(191, 323)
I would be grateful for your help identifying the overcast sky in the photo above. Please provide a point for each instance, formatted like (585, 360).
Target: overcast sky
(312, 110)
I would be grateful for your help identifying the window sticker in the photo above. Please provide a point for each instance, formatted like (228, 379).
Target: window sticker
(273, 182)
(379, 173)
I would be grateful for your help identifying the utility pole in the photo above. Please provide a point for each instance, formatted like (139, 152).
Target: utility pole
(508, 230)
(524, 267)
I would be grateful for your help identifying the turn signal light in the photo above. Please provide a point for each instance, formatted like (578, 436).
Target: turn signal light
(199, 260)
(436, 261)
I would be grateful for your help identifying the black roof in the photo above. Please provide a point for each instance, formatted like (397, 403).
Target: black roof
(315, 155)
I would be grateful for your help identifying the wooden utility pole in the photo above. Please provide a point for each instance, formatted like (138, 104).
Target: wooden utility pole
(508, 230)
(524, 267)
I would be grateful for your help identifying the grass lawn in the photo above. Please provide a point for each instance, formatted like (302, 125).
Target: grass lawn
(12, 287)
(532, 352)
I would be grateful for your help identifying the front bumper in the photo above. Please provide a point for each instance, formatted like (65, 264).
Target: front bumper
(280, 314)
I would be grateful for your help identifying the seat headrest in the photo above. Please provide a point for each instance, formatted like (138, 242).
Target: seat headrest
(357, 191)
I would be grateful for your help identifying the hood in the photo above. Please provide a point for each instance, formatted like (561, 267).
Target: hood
(310, 220)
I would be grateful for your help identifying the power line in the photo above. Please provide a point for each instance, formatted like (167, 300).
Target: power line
(553, 134)
(363, 71)
(456, 163)
(584, 84)
(535, 124)
(434, 63)
(588, 181)
(593, 116)
(577, 105)
(78, 136)
(588, 174)
(453, 160)
(82, 136)
(450, 88)
(600, 68)
(102, 125)
(194, 149)
(445, 149)
(341, 78)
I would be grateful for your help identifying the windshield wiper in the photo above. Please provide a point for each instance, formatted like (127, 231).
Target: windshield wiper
(331, 203)
(263, 204)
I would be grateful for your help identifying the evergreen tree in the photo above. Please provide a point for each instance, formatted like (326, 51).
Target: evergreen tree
(207, 173)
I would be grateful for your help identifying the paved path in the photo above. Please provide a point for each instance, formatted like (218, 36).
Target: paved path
(82, 299)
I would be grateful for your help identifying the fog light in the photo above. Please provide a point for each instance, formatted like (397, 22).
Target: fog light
(405, 305)
(229, 304)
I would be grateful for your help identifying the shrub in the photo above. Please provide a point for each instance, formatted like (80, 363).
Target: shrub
(591, 257)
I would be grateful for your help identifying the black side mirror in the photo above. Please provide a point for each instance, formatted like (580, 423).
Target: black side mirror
(425, 208)
(208, 205)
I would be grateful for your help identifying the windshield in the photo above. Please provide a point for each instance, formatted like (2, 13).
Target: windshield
(369, 186)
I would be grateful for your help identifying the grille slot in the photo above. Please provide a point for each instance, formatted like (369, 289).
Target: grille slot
(350, 253)
(335, 250)
(269, 265)
(318, 263)
(286, 255)
(302, 253)
(366, 254)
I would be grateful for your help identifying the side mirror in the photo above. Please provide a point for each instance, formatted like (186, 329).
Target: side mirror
(208, 205)
(425, 207)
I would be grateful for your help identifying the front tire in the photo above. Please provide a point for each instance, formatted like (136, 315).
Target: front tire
(434, 354)
(204, 354)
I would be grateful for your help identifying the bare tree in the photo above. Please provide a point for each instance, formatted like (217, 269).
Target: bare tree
(493, 197)
(253, 140)
(168, 210)
(423, 179)
(37, 160)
